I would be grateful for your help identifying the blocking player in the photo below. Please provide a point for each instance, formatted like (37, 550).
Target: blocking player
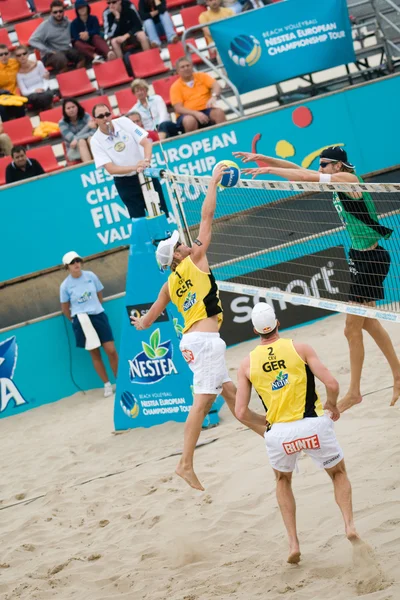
(192, 288)
(282, 373)
(368, 262)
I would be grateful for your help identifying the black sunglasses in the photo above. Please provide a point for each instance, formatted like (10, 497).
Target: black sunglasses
(21, 54)
(324, 164)
(76, 260)
(4, 53)
(112, 2)
(57, 12)
(102, 115)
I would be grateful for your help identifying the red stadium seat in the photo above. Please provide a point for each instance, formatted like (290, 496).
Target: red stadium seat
(70, 14)
(177, 3)
(24, 30)
(125, 99)
(5, 38)
(111, 73)
(21, 132)
(147, 63)
(97, 9)
(46, 157)
(14, 10)
(176, 51)
(162, 87)
(4, 162)
(74, 83)
(190, 16)
(136, 3)
(53, 115)
(91, 102)
(42, 6)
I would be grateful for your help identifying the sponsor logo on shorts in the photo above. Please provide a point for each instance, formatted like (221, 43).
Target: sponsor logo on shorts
(331, 460)
(308, 443)
(188, 355)
(190, 301)
(281, 380)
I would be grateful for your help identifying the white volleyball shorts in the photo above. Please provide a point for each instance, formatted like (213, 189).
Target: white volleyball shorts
(205, 354)
(313, 435)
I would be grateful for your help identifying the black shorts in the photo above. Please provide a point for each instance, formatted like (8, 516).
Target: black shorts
(368, 270)
(100, 323)
(130, 192)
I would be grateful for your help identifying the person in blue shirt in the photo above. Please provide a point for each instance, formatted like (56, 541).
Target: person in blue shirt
(86, 35)
(81, 292)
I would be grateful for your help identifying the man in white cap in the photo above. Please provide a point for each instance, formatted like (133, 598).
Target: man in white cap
(192, 288)
(282, 373)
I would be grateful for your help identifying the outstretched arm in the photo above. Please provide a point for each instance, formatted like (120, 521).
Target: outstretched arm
(269, 160)
(300, 174)
(243, 394)
(155, 311)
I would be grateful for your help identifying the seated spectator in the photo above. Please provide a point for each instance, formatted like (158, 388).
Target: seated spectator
(215, 12)
(22, 167)
(9, 68)
(235, 5)
(33, 80)
(86, 35)
(156, 21)
(193, 97)
(137, 119)
(53, 39)
(5, 142)
(77, 128)
(123, 27)
(153, 110)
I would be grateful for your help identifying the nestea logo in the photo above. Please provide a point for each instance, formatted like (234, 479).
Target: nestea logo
(8, 362)
(154, 363)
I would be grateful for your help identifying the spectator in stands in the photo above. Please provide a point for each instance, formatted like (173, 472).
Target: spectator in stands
(22, 167)
(5, 142)
(77, 129)
(53, 39)
(153, 110)
(33, 80)
(86, 35)
(137, 119)
(215, 12)
(235, 5)
(9, 68)
(82, 304)
(156, 21)
(123, 27)
(193, 97)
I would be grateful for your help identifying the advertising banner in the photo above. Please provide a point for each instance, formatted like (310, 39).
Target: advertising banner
(287, 39)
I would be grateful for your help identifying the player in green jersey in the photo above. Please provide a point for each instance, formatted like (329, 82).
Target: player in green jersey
(368, 262)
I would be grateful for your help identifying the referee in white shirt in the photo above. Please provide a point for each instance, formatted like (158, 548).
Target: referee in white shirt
(122, 148)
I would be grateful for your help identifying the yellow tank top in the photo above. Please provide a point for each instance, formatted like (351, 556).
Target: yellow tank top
(284, 383)
(194, 293)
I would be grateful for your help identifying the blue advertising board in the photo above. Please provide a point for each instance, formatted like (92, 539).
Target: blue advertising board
(79, 208)
(287, 39)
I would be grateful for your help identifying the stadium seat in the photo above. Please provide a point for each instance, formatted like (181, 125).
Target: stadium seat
(136, 3)
(90, 102)
(46, 157)
(162, 87)
(14, 10)
(111, 73)
(190, 15)
(97, 9)
(125, 100)
(42, 6)
(53, 115)
(5, 38)
(74, 83)
(147, 63)
(70, 14)
(176, 51)
(177, 3)
(3, 165)
(21, 132)
(24, 30)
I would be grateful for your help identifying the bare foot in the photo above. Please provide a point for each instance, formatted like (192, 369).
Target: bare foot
(348, 401)
(353, 536)
(396, 392)
(189, 476)
(294, 557)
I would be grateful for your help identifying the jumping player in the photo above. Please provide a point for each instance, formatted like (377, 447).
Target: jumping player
(192, 288)
(368, 262)
(282, 373)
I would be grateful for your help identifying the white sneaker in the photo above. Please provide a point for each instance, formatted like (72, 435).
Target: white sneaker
(97, 59)
(108, 391)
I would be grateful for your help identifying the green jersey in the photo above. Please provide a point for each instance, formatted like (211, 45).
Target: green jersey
(360, 219)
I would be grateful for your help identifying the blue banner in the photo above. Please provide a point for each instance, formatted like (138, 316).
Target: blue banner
(287, 40)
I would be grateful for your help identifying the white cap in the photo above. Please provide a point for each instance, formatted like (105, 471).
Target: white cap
(263, 318)
(165, 250)
(69, 257)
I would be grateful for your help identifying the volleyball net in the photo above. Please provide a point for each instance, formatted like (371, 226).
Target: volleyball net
(290, 242)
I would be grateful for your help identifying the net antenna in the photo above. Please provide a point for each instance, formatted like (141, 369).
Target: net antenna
(286, 242)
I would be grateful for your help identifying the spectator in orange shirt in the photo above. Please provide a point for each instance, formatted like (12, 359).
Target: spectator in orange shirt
(215, 12)
(9, 68)
(194, 97)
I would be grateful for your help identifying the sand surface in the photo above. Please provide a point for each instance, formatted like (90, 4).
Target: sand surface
(89, 515)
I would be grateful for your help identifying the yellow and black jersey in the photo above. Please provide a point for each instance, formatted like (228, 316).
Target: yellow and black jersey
(194, 293)
(284, 382)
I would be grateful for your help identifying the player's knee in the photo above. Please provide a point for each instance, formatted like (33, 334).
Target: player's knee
(353, 329)
(337, 470)
(281, 476)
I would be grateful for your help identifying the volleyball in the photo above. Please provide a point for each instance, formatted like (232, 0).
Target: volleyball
(229, 179)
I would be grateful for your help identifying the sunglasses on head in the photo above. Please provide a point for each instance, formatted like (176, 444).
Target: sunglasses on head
(4, 53)
(102, 115)
(324, 164)
(76, 260)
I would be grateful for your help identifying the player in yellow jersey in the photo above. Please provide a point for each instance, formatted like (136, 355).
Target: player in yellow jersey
(192, 288)
(282, 373)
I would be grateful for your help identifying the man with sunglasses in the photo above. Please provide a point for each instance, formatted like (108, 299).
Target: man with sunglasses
(369, 262)
(124, 150)
(53, 39)
(123, 27)
(192, 288)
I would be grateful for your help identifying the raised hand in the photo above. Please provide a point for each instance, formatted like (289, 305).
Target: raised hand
(255, 172)
(248, 156)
